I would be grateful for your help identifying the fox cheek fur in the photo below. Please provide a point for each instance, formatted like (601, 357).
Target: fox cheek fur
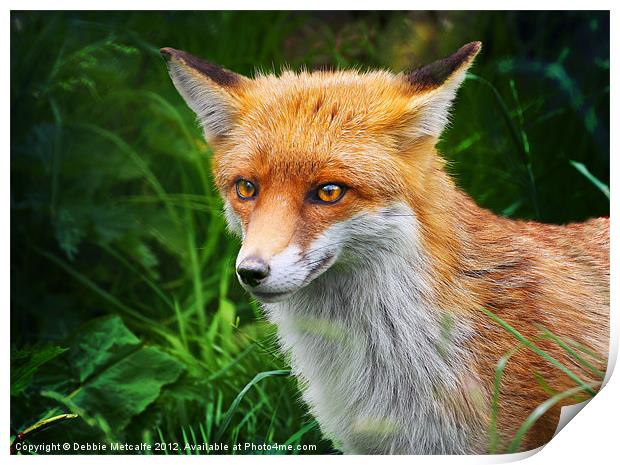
(377, 297)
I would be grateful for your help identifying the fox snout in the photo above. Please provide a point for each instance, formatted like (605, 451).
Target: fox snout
(273, 263)
(269, 263)
(276, 277)
(252, 271)
(273, 269)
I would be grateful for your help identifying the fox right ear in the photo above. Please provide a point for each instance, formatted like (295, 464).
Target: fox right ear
(434, 87)
(208, 90)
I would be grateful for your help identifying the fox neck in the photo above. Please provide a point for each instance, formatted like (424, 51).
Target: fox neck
(378, 355)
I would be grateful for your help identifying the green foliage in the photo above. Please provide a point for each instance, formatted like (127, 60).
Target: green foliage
(26, 361)
(235, 403)
(100, 343)
(118, 376)
(581, 386)
(118, 245)
(590, 177)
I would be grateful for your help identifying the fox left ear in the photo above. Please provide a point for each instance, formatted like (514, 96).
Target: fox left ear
(434, 87)
(211, 91)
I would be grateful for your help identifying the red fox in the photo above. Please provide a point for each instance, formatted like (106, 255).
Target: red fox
(375, 267)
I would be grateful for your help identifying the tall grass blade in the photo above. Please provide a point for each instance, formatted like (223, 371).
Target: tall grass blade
(541, 410)
(540, 352)
(233, 407)
(593, 179)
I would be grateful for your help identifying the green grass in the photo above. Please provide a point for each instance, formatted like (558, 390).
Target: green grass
(581, 386)
(113, 209)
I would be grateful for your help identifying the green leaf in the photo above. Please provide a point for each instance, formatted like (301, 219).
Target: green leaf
(129, 386)
(26, 361)
(119, 377)
(99, 343)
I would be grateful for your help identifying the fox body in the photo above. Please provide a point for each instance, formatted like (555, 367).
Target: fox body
(375, 266)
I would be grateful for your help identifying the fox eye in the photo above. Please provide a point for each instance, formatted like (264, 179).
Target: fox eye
(245, 189)
(329, 193)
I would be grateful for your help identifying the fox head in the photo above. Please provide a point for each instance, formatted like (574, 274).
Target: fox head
(319, 168)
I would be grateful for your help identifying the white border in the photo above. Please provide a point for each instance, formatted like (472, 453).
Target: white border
(590, 438)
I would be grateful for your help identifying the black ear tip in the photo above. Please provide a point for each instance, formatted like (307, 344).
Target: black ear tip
(436, 73)
(168, 52)
(216, 73)
(472, 48)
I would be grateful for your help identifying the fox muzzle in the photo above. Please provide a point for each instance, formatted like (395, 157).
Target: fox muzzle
(253, 270)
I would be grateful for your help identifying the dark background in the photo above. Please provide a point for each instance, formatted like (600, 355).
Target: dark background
(118, 247)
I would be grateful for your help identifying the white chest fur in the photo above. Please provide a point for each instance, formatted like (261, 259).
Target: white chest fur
(382, 369)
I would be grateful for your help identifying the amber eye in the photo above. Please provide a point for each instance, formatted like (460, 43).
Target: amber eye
(330, 193)
(245, 189)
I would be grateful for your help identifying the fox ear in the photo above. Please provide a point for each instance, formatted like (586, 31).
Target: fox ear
(208, 89)
(434, 87)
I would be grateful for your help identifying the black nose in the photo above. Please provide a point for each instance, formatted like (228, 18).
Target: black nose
(252, 271)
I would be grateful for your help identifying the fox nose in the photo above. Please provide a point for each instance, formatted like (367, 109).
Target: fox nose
(253, 270)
